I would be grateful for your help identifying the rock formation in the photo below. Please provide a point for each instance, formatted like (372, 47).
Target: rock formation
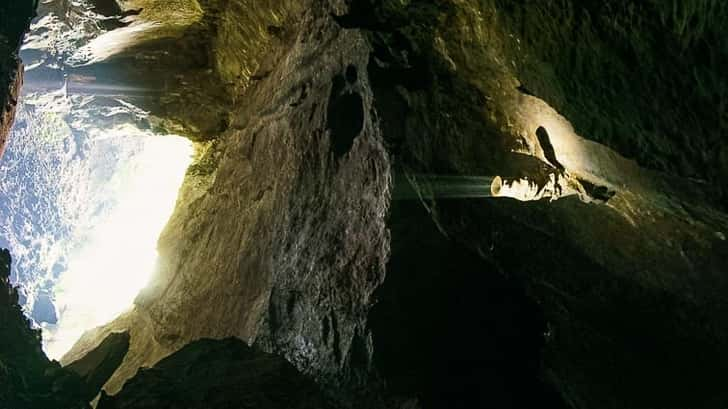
(14, 21)
(218, 374)
(308, 114)
(97, 366)
(27, 378)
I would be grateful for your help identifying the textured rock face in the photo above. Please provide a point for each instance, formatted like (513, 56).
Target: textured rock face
(284, 228)
(289, 193)
(619, 71)
(599, 272)
(452, 331)
(218, 374)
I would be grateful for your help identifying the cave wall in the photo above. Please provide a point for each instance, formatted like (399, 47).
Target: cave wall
(219, 374)
(450, 330)
(27, 378)
(641, 77)
(288, 193)
(627, 278)
(14, 21)
(285, 234)
(260, 203)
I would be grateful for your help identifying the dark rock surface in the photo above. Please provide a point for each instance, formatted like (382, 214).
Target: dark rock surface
(14, 21)
(608, 279)
(97, 366)
(28, 380)
(218, 374)
(450, 329)
(618, 284)
(11, 94)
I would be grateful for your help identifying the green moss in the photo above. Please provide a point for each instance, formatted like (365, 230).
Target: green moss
(205, 160)
(246, 31)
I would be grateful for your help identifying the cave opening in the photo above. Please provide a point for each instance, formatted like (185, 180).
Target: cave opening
(345, 113)
(87, 188)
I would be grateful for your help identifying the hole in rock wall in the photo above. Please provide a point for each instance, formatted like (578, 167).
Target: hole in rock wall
(351, 74)
(548, 149)
(345, 114)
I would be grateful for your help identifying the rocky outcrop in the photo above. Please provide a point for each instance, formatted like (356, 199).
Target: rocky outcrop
(218, 374)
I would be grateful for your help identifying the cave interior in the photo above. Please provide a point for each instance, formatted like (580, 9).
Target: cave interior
(363, 204)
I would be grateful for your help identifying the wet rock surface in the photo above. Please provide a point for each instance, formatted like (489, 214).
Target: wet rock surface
(218, 374)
